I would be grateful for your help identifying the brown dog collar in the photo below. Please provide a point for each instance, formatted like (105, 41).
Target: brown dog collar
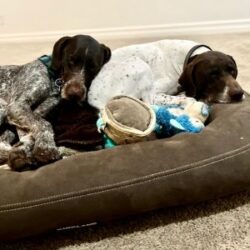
(191, 51)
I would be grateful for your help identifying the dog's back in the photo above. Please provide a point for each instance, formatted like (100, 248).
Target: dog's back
(141, 71)
(7, 77)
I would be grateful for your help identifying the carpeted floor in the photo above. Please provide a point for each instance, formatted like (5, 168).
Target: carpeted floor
(218, 224)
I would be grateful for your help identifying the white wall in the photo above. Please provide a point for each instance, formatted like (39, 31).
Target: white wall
(51, 16)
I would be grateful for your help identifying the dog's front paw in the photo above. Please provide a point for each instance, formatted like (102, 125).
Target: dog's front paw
(45, 152)
(20, 155)
(19, 158)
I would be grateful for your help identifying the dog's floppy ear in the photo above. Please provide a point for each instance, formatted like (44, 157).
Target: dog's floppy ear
(186, 80)
(236, 68)
(57, 53)
(107, 53)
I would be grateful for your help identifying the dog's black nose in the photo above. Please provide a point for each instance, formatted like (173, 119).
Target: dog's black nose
(237, 95)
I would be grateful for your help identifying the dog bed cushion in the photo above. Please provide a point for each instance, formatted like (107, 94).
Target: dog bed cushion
(129, 179)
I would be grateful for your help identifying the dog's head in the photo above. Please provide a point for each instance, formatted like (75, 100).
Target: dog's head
(211, 76)
(77, 60)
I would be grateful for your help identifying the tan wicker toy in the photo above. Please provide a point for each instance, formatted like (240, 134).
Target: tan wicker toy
(127, 120)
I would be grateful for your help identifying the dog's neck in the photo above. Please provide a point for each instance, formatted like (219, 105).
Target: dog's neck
(192, 51)
(54, 76)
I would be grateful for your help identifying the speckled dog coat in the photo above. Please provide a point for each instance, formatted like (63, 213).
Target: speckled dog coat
(143, 71)
(27, 94)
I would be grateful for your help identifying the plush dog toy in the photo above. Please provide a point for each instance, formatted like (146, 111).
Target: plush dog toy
(182, 114)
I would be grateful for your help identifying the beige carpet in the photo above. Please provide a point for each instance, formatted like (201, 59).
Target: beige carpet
(218, 224)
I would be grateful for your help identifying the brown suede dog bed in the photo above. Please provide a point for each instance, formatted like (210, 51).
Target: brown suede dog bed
(107, 184)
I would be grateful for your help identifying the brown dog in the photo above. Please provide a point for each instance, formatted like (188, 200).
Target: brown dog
(211, 76)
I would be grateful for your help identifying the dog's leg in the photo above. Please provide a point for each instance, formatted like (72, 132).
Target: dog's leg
(163, 99)
(38, 144)
(46, 106)
(4, 152)
(3, 106)
(2, 116)
(6, 136)
(20, 154)
(32, 86)
(6, 139)
(45, 149)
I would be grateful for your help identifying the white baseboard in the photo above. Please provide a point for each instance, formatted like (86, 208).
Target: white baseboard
(137, 32)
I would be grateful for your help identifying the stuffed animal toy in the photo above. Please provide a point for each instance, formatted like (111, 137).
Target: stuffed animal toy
(169, 123)
(197, 109)
(183, 115)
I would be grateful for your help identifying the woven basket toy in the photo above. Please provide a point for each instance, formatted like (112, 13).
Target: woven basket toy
(127, 120)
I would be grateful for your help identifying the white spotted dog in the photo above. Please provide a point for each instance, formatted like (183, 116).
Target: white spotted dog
(151, 71)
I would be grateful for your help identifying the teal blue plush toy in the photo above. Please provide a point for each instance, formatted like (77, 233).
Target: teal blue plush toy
(185, 115)
(169, 124)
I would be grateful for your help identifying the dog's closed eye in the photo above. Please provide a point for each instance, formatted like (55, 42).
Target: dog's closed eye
(214, 73)
(232, 71)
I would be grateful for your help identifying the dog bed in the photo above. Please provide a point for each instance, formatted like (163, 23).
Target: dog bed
(130, 179)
